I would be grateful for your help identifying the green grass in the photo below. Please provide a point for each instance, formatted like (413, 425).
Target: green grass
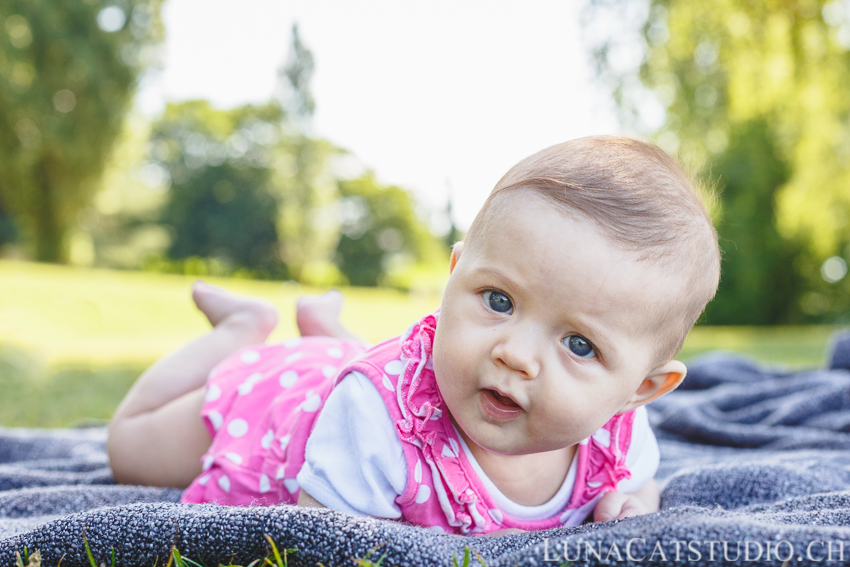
(73, 340)
(792, 347)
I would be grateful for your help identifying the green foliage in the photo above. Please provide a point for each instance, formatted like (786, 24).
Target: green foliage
(304, 174)
(221, 203)
(306, 186)
(8, 232)
(756, 91)
(379, 229)
(68, 70)
(758, 275)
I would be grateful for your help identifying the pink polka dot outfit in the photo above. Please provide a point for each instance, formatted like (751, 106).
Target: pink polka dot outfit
(262, 404)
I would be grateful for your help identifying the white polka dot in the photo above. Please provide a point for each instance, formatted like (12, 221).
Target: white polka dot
(455, 447)
(329, 371)
(281, 471)
(249, 356)
(447, 452)
(387, 384)
(496, 515)
(335, 352)
(224, 483)
(288, 379)
(204, 480)
(237, 427)
(423, 494)
(233, 458)
(208, 462)
(248, 384)
(292, 343)
(284, 441)
(213, 393)
(265, 485)
(293, 357)
(216, 419)
(267, 439)
(394, 367)
(291, 485)
(594, 484)
(312, 403)
(417, 471)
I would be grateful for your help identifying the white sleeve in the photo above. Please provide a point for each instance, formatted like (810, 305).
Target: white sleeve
(354, 461)
(643, 456)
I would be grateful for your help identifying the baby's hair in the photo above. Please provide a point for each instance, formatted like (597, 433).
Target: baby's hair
(642, 200)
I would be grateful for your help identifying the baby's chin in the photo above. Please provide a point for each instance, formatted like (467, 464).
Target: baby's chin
(505, 445)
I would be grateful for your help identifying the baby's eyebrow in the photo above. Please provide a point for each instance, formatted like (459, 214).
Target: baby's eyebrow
(598, 338)
(503, 278)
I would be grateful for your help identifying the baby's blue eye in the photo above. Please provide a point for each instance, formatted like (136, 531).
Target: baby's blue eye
(498, 302)
(579, 346)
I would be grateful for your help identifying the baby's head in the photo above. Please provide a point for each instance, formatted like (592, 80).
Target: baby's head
(574, 291)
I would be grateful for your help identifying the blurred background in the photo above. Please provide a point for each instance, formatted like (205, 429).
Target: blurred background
(279, 148)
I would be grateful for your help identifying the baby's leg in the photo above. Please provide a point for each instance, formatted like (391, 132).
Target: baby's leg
(318, 316)
(157, 436)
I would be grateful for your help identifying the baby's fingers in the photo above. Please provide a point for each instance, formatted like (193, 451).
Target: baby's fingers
(617, 505)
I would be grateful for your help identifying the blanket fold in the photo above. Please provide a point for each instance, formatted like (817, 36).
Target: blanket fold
(755, 471)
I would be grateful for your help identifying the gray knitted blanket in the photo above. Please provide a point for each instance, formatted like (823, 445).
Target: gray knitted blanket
(755, 470)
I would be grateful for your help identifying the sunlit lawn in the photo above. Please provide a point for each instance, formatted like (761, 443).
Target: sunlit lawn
(73, 340)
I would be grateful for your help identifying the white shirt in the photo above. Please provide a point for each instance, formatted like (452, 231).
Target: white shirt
(354, 461)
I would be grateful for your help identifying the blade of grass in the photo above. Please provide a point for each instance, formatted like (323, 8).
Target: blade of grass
(277, 557)
(88, 550)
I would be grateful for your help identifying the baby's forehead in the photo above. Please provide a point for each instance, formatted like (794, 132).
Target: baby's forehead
(655, 298)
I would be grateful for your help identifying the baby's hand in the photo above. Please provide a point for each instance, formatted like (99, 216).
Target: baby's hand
(618, 505)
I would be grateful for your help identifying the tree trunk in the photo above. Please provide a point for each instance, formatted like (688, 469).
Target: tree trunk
(48, 230)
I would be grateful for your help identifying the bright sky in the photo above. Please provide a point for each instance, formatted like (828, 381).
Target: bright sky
(430, 95)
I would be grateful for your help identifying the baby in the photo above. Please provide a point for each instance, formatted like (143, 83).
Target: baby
(517, 406)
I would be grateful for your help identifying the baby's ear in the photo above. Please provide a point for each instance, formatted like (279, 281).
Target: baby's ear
(456, 250)
(660, 381)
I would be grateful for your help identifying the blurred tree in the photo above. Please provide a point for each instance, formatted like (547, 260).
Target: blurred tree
(307, 185)
(221, 202)
(756, 90)
(68, 72)
(8, 234)
(758, 274)
(379, 229)
(296, 75)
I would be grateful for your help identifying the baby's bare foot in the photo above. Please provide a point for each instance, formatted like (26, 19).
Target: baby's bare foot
(318, 316)
(256, 317)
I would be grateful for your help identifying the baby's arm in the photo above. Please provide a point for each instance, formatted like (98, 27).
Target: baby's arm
(617, 505)
(637, 494)
(308, 501)
(354, 432)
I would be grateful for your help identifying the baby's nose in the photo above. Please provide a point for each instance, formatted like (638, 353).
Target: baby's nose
(515, 354)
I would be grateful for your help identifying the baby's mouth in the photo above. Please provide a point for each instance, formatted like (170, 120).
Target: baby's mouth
(498, 406)
(504, 399)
